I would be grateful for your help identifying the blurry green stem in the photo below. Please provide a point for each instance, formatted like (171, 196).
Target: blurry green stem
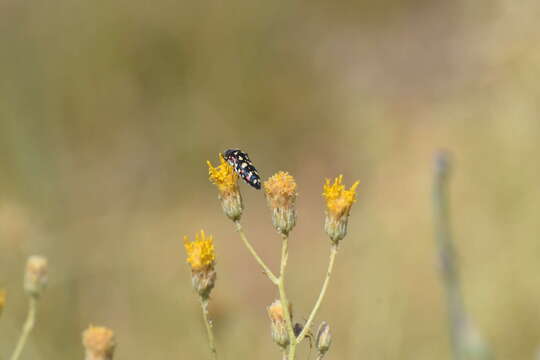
(307, 326)
(266, 270)
(27, 328)
(461, 335)
(208, 324)
(283, 297)
(448, 266)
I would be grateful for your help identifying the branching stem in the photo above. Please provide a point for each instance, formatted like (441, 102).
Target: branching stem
(290, 353)
(266, 269)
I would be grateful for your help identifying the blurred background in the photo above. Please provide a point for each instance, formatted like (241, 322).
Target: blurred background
(109, 110)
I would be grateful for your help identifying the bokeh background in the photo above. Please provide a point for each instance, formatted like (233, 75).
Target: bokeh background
(109, 110)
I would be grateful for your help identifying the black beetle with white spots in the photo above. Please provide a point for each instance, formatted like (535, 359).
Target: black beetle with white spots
(239, 160)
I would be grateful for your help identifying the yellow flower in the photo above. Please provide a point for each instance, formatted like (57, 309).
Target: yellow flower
(338, 206)
(223, 176)
(201, 258)
(2, 300)
(226, 180)
(99, 343)
(200, 252)
(280, 190)
(338, 200)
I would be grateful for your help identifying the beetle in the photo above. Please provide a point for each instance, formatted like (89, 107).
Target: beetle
(239, 160)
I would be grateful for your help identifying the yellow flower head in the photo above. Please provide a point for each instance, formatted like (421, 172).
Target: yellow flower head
(226, 180)
(223, 176)
(99, 342)
(2, 300)
(280, 190)
(338, 200)
(200, 253)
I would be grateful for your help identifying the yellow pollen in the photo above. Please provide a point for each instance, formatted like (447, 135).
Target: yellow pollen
(339, 200)
(99, 340)
(200, 253)
(2, 299)
(223, 176)
(281, 189)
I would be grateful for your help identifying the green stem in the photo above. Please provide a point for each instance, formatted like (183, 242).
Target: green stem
(448, 266)
(307, 326)
(208, 324)
(283, 297)
(465, 341)
(266, 269)
(27, 328)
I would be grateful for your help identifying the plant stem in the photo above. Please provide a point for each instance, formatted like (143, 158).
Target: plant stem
(465, 340)
(27, 328)
(266, 269)
(448, 267)
(208, 324)
(333, 252)
(283, 297)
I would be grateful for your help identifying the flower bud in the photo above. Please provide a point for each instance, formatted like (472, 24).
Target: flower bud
(99, 343)
(278, 324)
(280, 190)
(35, 279)
(324, 338)
(338, 206)
(226, 180)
